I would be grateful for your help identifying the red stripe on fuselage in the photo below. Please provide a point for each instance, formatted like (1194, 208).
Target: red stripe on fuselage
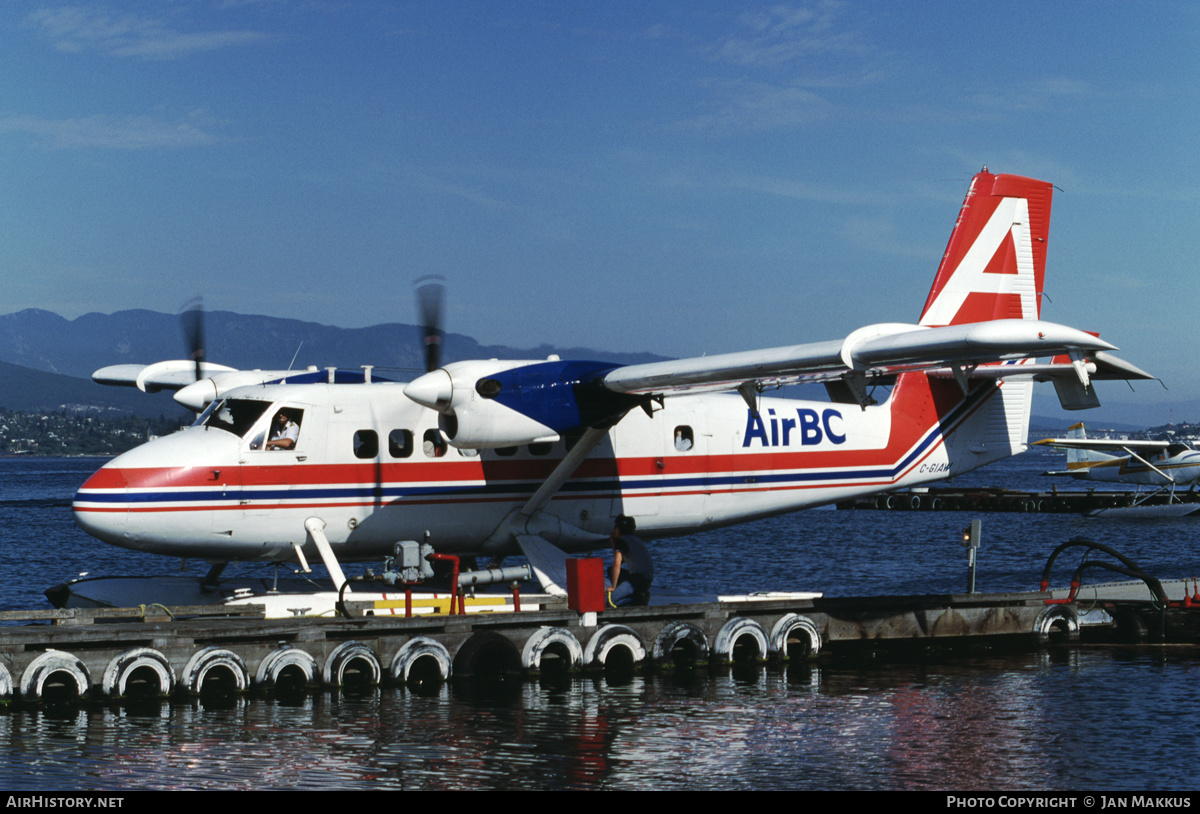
(919, 403)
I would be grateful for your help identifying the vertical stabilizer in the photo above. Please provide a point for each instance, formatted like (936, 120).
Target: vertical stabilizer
(1083, 458)
(993, 268)
(995, 262)
(1076, 456)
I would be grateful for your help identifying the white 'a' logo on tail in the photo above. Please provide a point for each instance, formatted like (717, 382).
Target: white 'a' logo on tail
(995, 277)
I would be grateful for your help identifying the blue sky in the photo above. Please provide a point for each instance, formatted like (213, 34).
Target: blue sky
(678, 177)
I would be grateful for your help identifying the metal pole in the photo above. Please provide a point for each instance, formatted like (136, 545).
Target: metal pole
(970, 541)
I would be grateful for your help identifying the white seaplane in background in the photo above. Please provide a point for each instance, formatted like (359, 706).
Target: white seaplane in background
(1164, 465)
(538, 457)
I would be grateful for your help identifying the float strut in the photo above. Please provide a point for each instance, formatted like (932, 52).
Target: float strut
(316, 529)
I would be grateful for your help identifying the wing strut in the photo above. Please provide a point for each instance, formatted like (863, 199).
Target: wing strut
(1139, 458)
(536, 532)
(530, 520)
(588, 442)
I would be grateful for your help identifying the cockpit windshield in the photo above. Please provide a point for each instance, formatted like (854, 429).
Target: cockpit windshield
(232, 415)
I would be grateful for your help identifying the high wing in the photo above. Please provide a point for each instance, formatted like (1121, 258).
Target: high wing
(1108, 445)
(484, 404)
(180, 375)
(174, 374)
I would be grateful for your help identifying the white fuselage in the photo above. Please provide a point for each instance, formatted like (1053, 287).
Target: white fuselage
(363, 465)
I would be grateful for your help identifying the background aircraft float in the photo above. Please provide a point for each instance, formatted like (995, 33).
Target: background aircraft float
(1161, 464)
(498, 457)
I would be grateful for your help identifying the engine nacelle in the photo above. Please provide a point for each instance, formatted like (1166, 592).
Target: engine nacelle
(491, 404)
(488, 425)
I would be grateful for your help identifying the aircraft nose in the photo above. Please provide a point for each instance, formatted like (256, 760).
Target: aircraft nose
(99, 505)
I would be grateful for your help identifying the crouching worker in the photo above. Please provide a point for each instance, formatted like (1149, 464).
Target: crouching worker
(632, 567)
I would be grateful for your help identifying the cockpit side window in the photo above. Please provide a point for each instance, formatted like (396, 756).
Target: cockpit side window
(282, 432)
(285, 429)
(237, 416)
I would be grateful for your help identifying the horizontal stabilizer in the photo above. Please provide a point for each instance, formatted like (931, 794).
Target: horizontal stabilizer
(1072, 380)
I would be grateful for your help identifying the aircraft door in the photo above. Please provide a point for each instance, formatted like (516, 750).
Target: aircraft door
(640, 445)
(281, 441)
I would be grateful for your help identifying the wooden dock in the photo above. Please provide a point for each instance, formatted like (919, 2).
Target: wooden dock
(114, 654)
(1075, 501)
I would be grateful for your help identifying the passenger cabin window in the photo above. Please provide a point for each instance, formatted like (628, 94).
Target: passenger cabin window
(432, 444)
(684, 440)
(400, 443)
(542, 448)
(506, 451)
(366, 444)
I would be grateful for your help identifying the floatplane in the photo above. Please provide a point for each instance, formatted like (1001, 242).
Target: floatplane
(1161, 464)
(537, 457)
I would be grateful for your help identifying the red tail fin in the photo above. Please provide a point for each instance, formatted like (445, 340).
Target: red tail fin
(995, 262)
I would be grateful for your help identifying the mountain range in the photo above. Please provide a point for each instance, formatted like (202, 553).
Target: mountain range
(46, 360)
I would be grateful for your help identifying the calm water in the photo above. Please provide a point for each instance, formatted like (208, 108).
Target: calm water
(1089, 719)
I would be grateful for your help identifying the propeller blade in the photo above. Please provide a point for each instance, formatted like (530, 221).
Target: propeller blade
(431, 292)
(192, 319)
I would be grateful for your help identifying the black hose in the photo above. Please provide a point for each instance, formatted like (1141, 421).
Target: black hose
(1152, 583)
(1082, 542)
(1129, 568)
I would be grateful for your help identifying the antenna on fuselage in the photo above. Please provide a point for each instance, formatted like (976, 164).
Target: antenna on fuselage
(294, 355)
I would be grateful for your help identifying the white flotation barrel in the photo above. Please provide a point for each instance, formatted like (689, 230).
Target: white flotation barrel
(215, 661)
(733, 631)
(610, 638)
(410, 656)
(52, 662)
(143, 660)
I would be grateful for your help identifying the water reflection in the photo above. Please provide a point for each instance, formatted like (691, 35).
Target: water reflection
(1014, 722)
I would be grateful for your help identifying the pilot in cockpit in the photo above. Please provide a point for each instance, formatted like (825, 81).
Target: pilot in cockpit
(284, 432)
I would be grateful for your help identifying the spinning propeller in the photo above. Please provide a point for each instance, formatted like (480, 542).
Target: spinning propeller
(431, 291)
(192, 320)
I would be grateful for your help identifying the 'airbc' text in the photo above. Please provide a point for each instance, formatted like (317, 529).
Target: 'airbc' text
(808, 429)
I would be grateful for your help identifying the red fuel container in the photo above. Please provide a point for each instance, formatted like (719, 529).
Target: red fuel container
(585, 584)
